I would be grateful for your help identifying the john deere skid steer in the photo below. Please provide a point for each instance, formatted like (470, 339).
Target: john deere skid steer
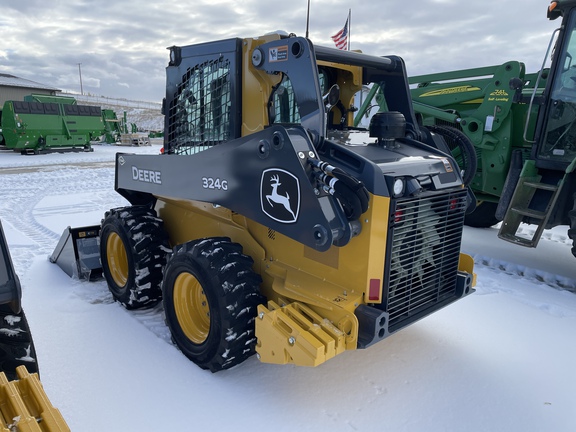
(271, 225)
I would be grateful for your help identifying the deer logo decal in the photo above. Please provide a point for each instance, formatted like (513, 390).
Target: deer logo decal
(280, 195)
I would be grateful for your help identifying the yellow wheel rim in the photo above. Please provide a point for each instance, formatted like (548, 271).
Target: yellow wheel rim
(117, 259)
(191, 307)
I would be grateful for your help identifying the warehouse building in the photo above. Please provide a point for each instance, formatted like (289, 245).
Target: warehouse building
(15, 88)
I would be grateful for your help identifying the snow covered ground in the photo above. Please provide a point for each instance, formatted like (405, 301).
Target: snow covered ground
(502, 359)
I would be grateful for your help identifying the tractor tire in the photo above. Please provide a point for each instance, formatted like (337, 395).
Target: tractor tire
(211, 295)
(484, 216)
(462, 150)
(16, 344)
(133, 251)
(572, 230)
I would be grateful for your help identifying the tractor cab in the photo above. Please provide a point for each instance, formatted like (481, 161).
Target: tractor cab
(545, 190)
(555, 139)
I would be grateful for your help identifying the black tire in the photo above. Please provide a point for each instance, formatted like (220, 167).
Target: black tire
(572, 230)
(462, 150)
(211, 296)
(133, 250)
(484, 216)
(16, 344)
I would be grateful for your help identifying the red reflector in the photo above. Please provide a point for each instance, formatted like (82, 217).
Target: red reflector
(453, 204)
(374, 291)
(398, 216)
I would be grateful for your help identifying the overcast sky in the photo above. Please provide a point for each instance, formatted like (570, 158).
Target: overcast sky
(121, 44)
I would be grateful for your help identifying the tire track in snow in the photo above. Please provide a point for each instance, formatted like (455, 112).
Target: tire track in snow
(551, 263)
(25, 188)
(23, 193)
(531, 275)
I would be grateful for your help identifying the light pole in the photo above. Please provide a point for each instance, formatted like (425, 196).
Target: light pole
(80, 73)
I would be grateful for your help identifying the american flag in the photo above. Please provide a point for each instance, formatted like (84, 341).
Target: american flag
(341, 38)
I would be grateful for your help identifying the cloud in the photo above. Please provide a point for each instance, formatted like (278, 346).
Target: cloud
(125, 42)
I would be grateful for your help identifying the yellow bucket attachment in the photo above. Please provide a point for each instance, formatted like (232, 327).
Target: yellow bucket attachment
(24, 406)
(296, 334)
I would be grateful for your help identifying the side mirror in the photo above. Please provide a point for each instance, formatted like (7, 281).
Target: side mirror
(332, 97)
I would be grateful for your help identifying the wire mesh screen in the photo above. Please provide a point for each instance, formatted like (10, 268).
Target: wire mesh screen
(284, 103)
(200, 113)
(425, 253)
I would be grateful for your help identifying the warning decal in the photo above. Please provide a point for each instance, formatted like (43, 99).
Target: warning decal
(277, 54)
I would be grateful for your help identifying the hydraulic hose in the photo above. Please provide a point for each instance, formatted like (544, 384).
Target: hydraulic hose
(350, 192)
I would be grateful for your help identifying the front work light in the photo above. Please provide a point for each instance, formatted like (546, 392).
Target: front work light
(398, 187)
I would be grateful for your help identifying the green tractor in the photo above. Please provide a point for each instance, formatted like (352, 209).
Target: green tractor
(513, 134)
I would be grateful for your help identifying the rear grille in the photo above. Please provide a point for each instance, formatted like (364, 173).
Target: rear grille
(423, 254)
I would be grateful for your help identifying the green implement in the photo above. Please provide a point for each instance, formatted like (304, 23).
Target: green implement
(522, 128)
(57, 124)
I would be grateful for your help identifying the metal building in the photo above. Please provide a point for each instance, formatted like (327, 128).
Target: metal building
(15, 88)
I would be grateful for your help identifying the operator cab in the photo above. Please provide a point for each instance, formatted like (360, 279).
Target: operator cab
(556, 134)
(334, 86)
(341, 95)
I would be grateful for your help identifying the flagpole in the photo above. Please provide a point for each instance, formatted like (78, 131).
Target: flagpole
(308, 19)
(349, 26)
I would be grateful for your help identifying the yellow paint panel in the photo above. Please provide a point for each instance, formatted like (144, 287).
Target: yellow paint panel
(466, 264)
(333, 283)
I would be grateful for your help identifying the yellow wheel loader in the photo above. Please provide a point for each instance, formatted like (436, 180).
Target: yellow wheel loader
(270, 224)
